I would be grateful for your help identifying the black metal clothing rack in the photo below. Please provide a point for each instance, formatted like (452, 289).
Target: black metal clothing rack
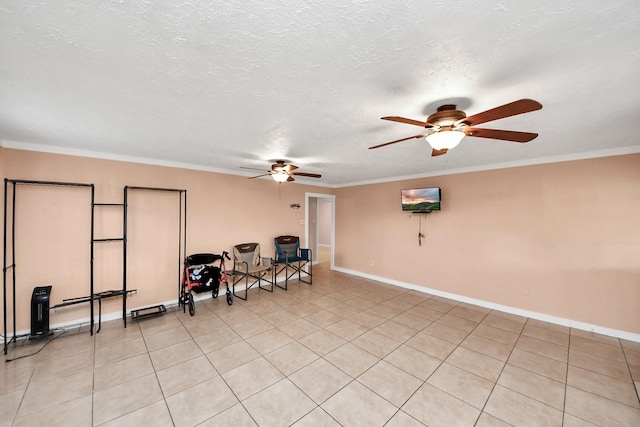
(98, 296)
(12, 265)
(93, 296)
(182, 237)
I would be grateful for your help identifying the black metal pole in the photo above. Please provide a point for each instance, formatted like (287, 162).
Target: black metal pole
(184, 242)
(4, 270)
(13, 257)
(91, 255)
(184, 225)
(180, 237)
(124, 257)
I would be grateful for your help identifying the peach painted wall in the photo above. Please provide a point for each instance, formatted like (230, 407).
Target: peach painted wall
(560, 239)
(53, 226)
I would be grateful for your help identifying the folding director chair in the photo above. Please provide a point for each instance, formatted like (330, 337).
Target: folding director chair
(249, 266)
(292, 259)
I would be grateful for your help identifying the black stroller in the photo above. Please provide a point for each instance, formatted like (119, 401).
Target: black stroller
(200, 275)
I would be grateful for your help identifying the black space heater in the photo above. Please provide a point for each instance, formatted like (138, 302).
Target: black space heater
(40, 312)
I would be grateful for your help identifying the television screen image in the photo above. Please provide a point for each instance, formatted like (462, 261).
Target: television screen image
(421, 199)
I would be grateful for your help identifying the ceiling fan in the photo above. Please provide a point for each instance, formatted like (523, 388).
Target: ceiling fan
(447, 126)
(282, 172)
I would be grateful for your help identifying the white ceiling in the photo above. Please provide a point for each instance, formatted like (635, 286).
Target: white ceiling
(219, 85)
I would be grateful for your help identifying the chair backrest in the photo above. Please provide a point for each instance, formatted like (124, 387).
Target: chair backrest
(286, 247)
(247, 252)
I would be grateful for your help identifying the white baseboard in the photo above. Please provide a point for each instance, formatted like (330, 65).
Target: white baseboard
(629, 336)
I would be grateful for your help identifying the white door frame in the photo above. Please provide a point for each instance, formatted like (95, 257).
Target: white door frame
(326, 197)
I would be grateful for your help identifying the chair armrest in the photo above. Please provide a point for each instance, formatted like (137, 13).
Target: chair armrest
(305, 254)
(244, 267)
(266, 262)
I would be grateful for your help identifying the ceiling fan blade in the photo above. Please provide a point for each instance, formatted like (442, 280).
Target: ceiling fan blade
(435, 152)
(407, 121)
(512, 109)
(398, 140)
(253, 169)
(505, 135)
(258, 176)
(310, 175)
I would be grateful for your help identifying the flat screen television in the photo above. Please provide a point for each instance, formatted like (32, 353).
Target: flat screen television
(421, 199)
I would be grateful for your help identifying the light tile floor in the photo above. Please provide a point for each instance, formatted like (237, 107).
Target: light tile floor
(344, 351)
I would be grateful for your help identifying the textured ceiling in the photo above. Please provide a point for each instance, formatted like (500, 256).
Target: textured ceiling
(223, 85)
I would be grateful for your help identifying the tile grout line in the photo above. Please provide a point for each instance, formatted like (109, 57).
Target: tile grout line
(399, 408)
(332, 364)
(155, 373)
(240, 402)
(603, 374)
(285, 376)
(626, 359)
(495, 384)
(459, 346)
(566, 378)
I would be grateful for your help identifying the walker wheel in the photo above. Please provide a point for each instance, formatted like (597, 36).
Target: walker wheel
(229, 298)
(192, 305)
(214, 292)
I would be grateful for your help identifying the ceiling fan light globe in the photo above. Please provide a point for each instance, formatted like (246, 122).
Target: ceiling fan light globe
(280, 177)
(445, 139)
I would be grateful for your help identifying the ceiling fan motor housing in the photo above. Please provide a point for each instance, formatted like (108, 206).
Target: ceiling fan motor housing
(278, 166)
(446, 116)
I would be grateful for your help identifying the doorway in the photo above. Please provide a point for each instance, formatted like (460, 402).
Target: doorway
(320, 226)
